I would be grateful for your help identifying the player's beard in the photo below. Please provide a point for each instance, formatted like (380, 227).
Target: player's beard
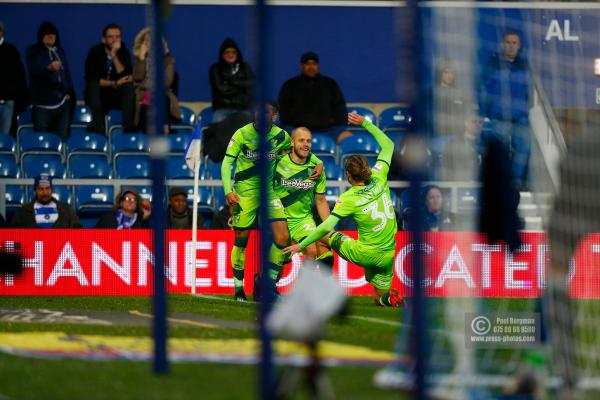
(300, 156)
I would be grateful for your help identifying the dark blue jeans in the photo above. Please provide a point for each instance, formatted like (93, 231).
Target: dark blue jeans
(52, 120)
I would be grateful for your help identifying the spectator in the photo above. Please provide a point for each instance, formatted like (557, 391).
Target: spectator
(179, 215)
(13, 86)
(505, 100)
(313, 100)
(436, 217)
(231, 81)
(108, 80)
(447, 102)
(142, 83)
(45, 211)
(127, 213)
(50, 83)
(462, 157)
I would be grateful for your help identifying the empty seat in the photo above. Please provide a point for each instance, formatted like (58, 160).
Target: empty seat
(82, 116)
(176, 168)
(15, 198)
(34, 164)
(365, 112)
(144, 191)
(62, 193)
(332, 194)
(8, 166)
(8, 144)
(395, 118)
(94, 195)
(129, 143)
(178, 142)
(132, 167)
(39, 142)
(334, 172)
(323, 145)
(89, 166)
(187, 120)
(87, 143)
(114, 119)
(205, 117)
(24, 120)
(358, 144)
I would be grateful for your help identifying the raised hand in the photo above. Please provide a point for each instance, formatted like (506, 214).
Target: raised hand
(355, 119)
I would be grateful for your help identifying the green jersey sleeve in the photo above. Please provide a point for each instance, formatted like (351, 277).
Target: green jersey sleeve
(235, 144)
(344, 206)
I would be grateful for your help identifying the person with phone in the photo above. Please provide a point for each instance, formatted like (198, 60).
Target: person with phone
(109, 83)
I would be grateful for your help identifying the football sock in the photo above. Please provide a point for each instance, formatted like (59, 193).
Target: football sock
(384, 300)
(238, 260)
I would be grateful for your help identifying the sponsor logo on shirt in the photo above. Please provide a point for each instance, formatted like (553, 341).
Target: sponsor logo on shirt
(297, 183)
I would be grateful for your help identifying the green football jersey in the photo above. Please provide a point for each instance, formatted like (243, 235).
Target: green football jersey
(292, 186)
(371, 208)
(243, 148)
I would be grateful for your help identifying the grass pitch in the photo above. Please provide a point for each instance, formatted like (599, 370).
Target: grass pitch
(35, 378)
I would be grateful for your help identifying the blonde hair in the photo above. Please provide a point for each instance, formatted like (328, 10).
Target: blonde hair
(141, 37)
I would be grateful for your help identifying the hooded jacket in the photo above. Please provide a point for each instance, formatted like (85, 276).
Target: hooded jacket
(47, 87)
(231, 84)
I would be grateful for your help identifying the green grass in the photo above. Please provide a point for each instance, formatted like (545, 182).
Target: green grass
(30, 378)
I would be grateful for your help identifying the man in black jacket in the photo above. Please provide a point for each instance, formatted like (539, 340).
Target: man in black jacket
(45, 211)
(108, 80)
(179, 215)
(50, 84)
(312, 100)
(13, 86)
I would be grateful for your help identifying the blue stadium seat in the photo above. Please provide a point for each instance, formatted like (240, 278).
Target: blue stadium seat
(468, 199)
(39, 142)
(205, 117)
(24, 120)
(15, 198)
(398, 118)
(206, 201)
(8, 144)
(62, 193)
(34, 164)
(219, 196)
(114, 119)
(188, 120)
(8, 166)
(365, 112)
(132, 167)
(94, 195)
(396, 137)
(86, 143)
(83, 166)
(213, 170)
(323, 145)
(81, 117)
(334, 172)
(128, 143)
(332, 194)
(176, 168)
(178, 142)
(144, 191)
(358, 144)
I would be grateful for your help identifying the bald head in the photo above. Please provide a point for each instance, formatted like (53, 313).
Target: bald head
(301, 144)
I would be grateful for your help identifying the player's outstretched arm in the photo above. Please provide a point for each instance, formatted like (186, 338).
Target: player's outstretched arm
(386, 144)
(322, 230)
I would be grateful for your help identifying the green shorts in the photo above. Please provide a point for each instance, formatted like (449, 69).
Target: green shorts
(378, 263)
(244, 215)
(301, 227)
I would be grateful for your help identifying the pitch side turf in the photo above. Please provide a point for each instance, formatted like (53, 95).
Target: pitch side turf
(97, 348)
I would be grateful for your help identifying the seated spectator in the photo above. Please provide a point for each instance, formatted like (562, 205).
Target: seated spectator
(179, 215)
(127, 213)
(231, 81)
(462, 157)
(436, 217)
(50, 85)
(108, 80)
(45, 211)
(13, 87)
(142, 83)
(314, 101)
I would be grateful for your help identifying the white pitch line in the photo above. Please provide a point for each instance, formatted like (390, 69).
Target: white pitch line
(208, 296)
(376, 320)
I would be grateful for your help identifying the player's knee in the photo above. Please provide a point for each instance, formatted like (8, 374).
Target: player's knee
(241, 241)
(282, 239)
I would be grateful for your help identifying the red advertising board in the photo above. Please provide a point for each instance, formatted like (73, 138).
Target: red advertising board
(119, 263)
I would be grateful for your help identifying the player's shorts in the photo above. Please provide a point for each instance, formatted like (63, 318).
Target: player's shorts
(301, 227)
(378, 263)
(244, 215)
